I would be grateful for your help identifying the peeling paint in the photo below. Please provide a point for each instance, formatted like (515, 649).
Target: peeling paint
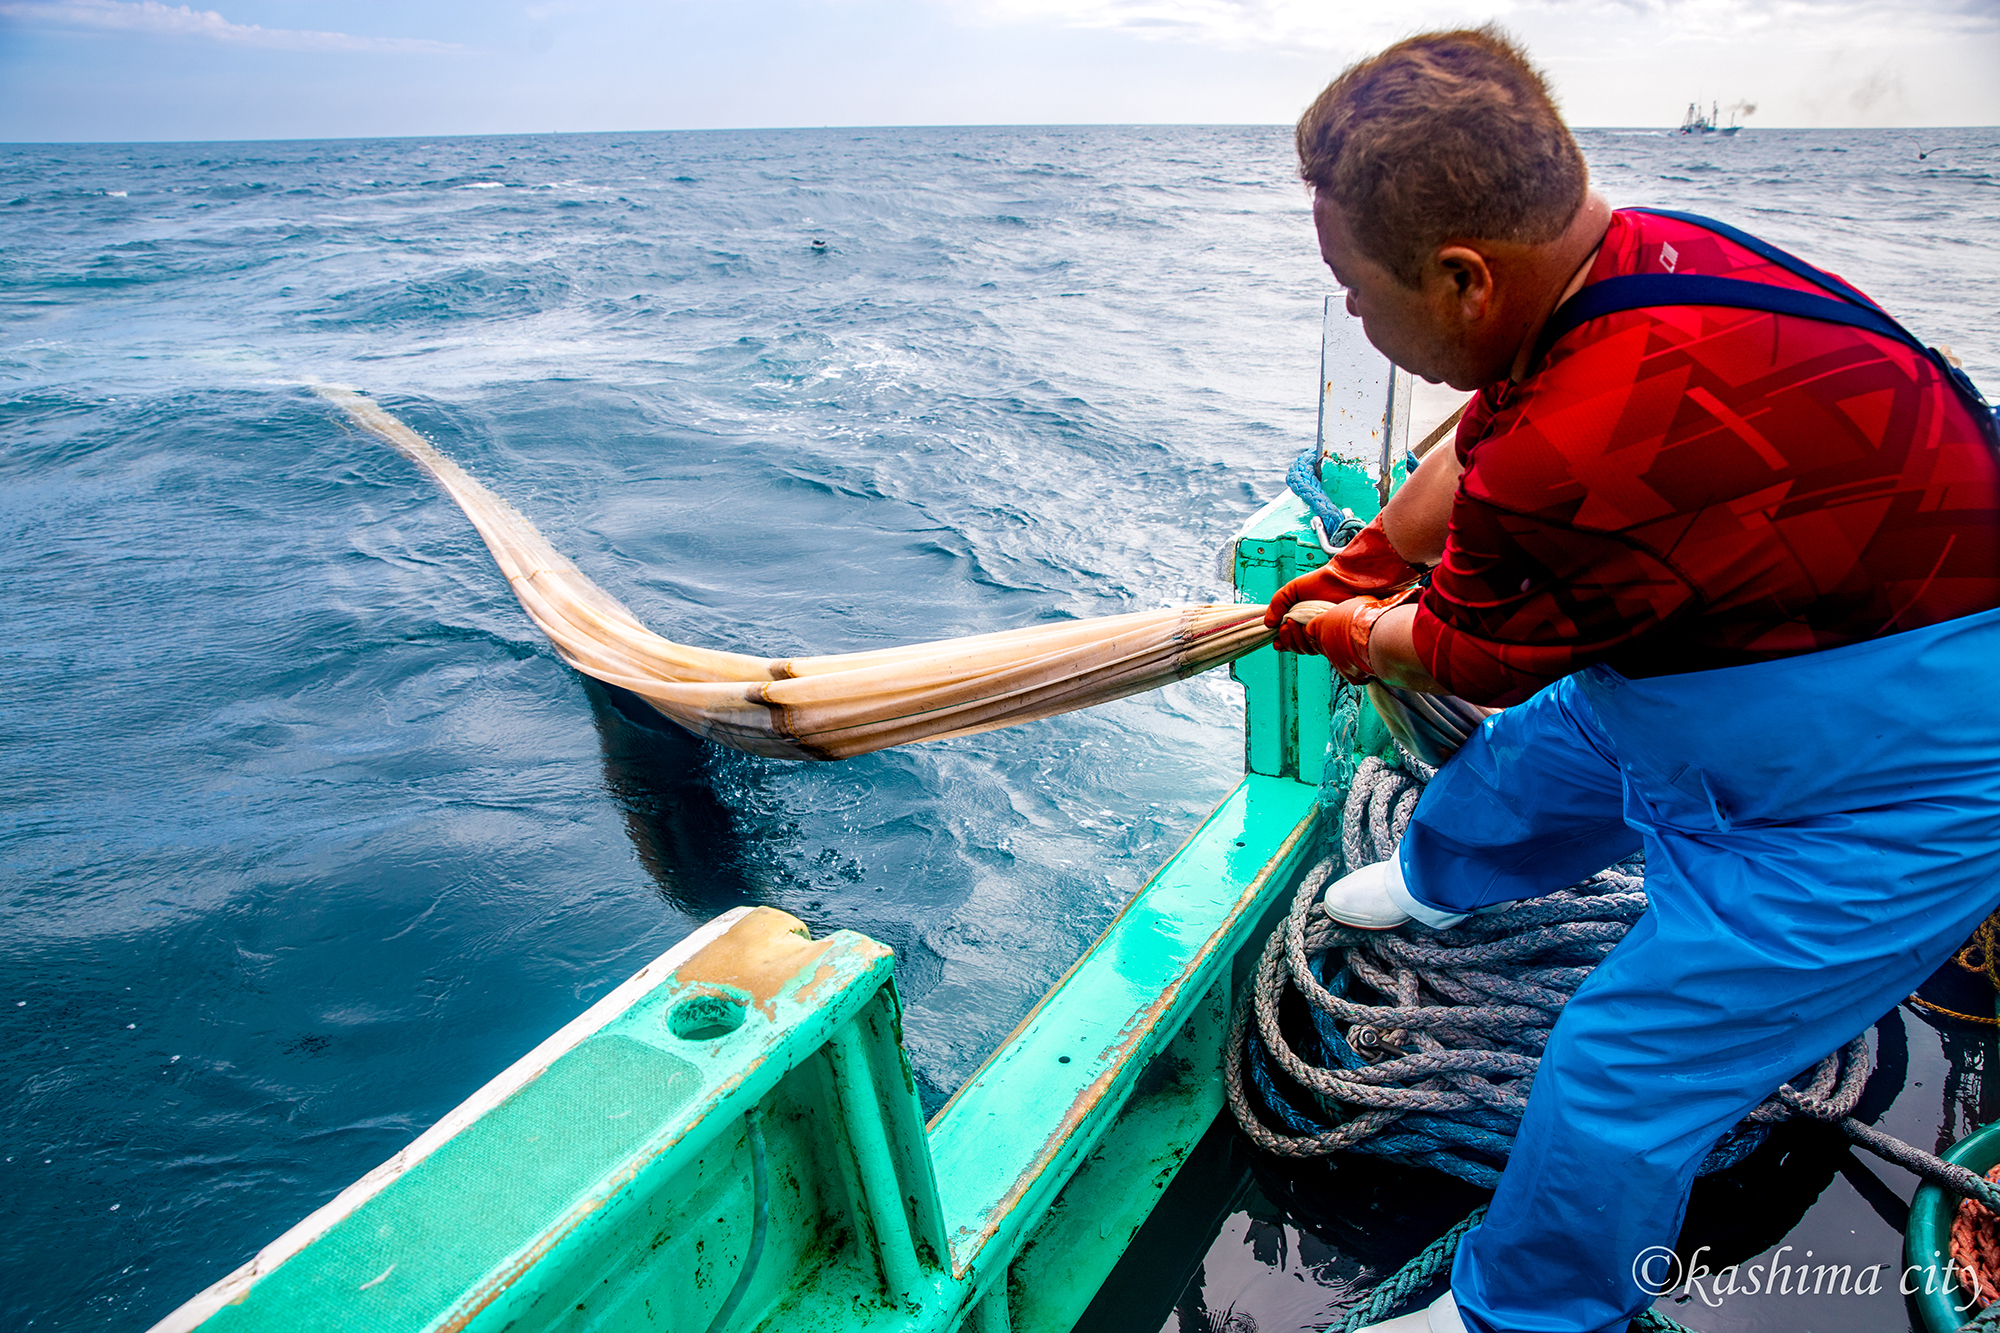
(765, 952)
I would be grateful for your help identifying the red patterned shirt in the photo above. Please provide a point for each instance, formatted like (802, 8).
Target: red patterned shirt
(1687, 487)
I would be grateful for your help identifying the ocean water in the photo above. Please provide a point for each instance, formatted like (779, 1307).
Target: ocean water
(307, 832)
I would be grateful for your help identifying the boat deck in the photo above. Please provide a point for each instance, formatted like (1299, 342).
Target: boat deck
(1291, 1248)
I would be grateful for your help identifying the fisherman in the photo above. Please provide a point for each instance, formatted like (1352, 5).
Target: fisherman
(1734, 568)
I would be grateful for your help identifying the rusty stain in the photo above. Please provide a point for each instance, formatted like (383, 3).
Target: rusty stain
(762, 954)
(826, 974)
(759, 954)
(490, 1291)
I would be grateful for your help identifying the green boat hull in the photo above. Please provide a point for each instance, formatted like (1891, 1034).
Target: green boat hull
(608, 1180)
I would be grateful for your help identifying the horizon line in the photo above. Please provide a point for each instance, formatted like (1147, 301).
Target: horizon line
(1667, 130)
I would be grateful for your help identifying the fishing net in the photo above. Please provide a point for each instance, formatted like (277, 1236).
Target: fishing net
(1975, 1248)
(828, 707)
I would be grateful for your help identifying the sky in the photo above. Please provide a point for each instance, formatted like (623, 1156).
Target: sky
(122, 70)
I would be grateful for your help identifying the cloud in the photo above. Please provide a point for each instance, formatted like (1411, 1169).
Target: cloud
(1312, 25)
(1355, 25)
(150, 16)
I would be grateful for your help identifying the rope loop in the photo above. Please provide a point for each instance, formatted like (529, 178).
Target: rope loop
(1422, 1045)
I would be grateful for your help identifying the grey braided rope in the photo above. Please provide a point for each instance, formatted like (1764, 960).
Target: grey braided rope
(1471, 1009)
(1436, 1257)
(1471, 1014)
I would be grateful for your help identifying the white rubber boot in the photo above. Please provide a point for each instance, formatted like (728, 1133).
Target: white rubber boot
(1375, 898)
(1441, 1317)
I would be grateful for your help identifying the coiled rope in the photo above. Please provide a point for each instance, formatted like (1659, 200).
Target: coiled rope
(1981, 957)
(1429, 1040)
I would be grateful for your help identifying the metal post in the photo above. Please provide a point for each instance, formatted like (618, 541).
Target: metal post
(877, 1165)
(991, 1314)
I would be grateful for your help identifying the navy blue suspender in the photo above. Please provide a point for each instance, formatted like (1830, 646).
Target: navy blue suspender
(1845, 305)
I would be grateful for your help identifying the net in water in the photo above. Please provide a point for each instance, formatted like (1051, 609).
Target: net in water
(828, 707)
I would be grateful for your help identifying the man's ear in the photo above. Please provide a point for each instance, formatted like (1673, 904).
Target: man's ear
(1468, 275)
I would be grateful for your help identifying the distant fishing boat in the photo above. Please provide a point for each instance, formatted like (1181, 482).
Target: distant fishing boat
(1698, 122)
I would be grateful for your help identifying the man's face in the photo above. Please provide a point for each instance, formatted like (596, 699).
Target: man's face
(1400, 321)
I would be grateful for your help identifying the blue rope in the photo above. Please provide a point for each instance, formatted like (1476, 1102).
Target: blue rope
(1338, 525)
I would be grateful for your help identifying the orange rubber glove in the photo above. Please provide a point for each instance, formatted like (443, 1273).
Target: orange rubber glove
(1340, 633)
(1367, 566)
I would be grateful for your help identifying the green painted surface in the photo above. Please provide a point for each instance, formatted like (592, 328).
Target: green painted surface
(667, 1247)
(1287, 700)
(614, 1190)
(409, 1254)
(1349, 486)
(1088, 1228)
(1030, 1107)
(533, 1182)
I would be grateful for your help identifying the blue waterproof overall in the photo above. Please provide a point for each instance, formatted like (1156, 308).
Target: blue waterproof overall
(1820, 832)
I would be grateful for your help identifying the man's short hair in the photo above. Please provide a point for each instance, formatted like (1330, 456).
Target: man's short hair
(1446, 136)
